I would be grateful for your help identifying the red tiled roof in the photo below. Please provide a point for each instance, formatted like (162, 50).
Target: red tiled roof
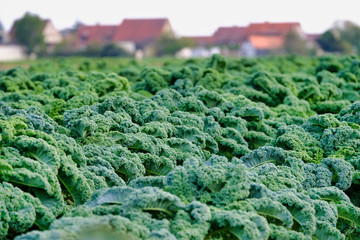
(134, 30)
(95, 34)
(268, 28)
(267, 42)
(140, 30)
(226, 35)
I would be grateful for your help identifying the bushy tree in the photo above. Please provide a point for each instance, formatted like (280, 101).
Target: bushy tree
(350, 33)
(294, 44)
(28, 31)
(113, 50)
(169, 45)
(330, 41)
(343, 37)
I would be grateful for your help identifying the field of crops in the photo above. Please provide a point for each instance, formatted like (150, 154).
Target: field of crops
(181, 149)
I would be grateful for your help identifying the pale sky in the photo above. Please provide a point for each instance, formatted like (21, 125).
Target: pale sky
(187, 17)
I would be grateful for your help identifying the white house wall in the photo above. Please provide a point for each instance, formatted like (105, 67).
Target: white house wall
(128, 46)
(51, 35)
(12, 53)
(247, 50)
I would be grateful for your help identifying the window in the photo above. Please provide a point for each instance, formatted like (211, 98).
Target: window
(107, 39)
(83, 38)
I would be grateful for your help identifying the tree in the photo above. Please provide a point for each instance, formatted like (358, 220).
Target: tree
(76, 26)
(169, 45)
(343, 37)
(112, 50)
(350, 33)
(68, 46)
(28, 31)
(294, 44)
(330, 41)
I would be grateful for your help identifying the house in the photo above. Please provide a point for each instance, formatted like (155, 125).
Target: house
(261, 45)
(186, 52)
(269, 28)
(11, 52)
(256, 39)
(205, 52)
(131, 34)
(238, 35)
(143, 32)
(51, 35)
(265, 38)
(96, 34)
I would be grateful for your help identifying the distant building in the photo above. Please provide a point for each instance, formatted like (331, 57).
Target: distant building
(143, 32)
(11, 52)
(131, 34)
(95, 34)
(268, 28)
(265, 38)
(256, 39)
(51, 35)
(184, 53)
(262, 45)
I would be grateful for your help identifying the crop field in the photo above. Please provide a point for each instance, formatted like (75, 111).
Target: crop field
(216, 148)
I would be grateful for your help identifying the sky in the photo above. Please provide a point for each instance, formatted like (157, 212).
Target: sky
(187, 17)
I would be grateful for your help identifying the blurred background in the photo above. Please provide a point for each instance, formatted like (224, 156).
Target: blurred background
(183, 29)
